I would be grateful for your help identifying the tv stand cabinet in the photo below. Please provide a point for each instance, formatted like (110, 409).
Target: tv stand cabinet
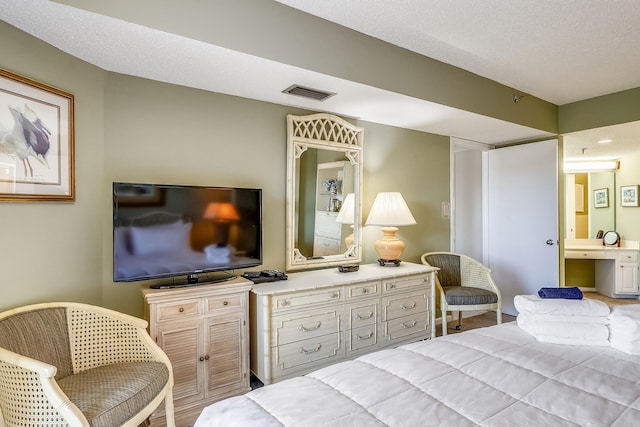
(316, 318)
(204, 331)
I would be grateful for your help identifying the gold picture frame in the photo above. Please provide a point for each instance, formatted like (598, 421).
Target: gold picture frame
(36, 141)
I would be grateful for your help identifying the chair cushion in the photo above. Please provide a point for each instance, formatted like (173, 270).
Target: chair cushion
(465, 295)
(449, 265)
(41, 335)
(110, 395)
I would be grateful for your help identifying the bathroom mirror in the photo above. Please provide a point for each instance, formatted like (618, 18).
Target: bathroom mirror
(324, 191)
(591, 204)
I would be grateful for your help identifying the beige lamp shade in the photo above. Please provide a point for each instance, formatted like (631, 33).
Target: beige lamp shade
(347, 216)
(347, 211)
(389, 211)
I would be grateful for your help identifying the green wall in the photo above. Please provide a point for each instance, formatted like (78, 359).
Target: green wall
(132, 129)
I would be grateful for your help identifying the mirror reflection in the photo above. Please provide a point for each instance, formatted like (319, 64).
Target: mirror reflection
(591, 204)
(326, 178)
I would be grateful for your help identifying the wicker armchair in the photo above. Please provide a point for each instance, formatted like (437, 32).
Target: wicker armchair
(463, 284)
(70, 364)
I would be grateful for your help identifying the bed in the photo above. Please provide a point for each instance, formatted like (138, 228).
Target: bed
(495, 376)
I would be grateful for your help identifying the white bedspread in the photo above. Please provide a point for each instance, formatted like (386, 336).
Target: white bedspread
(497, 376)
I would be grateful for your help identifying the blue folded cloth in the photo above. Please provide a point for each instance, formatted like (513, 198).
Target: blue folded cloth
(564, 293)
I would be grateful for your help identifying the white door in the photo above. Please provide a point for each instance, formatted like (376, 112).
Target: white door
(522, 219)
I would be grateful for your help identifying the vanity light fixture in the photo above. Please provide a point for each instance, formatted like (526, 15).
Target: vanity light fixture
(591, 166)
(389, 211)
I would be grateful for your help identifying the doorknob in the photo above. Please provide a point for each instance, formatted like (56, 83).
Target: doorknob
(550, 242)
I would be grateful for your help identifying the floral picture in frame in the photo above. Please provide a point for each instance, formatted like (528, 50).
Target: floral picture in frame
(36, 141)
(629, 195)
(601, 198)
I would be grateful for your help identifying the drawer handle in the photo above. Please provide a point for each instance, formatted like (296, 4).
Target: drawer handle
(335, 294)
(390, 286)
(360, 338)
(181, 310)
(284, 303)
(225, 302)
(413, 323)
(404, 307)
(364, 317)
(317, 348)
(301, 328)
(363, 291)
(202, 359)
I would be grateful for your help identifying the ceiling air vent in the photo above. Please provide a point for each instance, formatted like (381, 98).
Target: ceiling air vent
(307, 92)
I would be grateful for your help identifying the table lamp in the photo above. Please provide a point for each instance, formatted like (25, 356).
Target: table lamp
(222, 214)
(389, 211)
(347, 215)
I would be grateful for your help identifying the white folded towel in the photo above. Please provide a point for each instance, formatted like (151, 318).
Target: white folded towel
(561, 330)
(626, 317)
(624, 326)
(566, 307)
(601, 320)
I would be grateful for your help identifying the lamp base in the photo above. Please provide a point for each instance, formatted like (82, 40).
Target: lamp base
(389, 262)
(389, 247)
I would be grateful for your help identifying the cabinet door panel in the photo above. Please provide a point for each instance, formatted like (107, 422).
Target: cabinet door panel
(627, 280)
(225, 351)
(181, 342)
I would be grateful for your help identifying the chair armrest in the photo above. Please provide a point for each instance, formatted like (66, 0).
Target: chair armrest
(46, 402)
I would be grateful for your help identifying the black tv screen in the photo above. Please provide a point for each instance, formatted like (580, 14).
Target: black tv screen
(173, 230)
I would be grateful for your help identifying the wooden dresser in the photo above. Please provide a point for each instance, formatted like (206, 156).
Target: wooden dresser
(320, 317)
(204, 332)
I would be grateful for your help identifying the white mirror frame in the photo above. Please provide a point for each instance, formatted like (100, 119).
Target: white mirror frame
(326, 132)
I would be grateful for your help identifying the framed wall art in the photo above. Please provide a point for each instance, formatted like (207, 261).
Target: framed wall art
(629, 195)
(36, 141)
(601, 198)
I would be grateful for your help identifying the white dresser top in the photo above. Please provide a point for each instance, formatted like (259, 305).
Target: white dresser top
(596, 244)
(316, 279)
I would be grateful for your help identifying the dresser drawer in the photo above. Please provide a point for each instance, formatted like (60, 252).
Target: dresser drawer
(362, 290)
(405, 283)
(301, 353)
(363, 313)
(403, 327)
(225, 302)
(305, 299)
(304, 326)
(361, 338)
(404, 304)
(596, 254)
(326, 225)
(628, 257)
(178, 310)
(323, 246)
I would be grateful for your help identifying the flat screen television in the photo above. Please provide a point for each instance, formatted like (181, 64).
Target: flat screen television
(168, 231)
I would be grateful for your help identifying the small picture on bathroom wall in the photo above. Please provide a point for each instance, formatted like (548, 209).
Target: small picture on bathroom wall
(601, 198)
(629, 195)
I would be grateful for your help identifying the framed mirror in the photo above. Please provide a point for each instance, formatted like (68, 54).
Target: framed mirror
(324, 192)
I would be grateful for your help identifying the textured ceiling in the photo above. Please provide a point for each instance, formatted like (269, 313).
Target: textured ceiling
(560, 51)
